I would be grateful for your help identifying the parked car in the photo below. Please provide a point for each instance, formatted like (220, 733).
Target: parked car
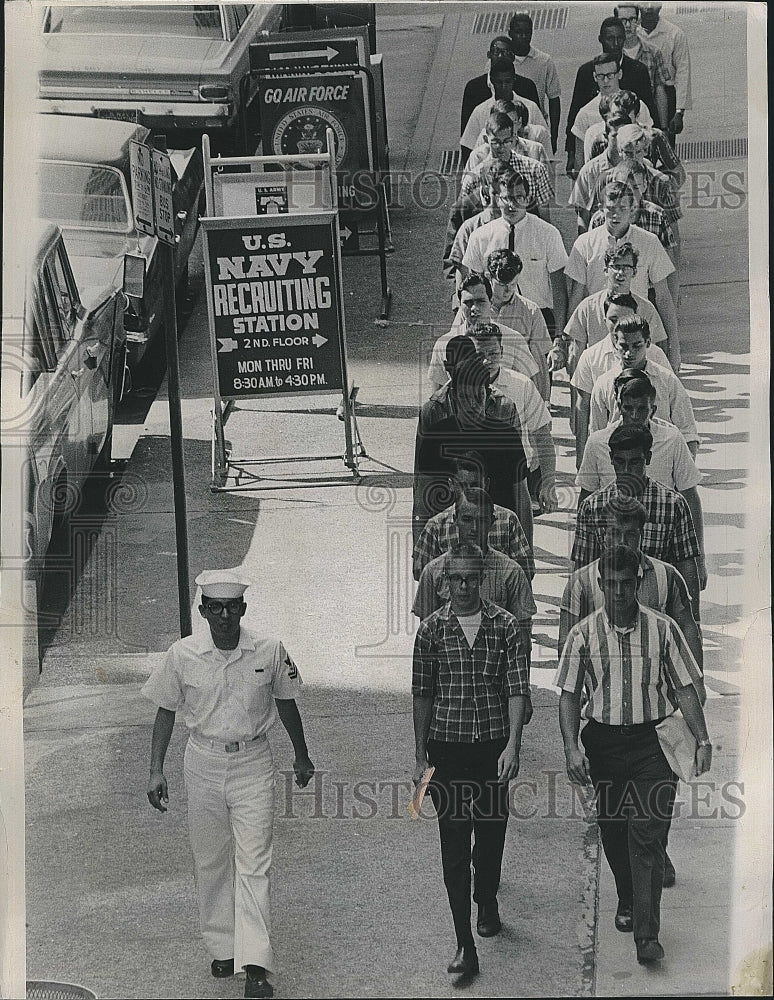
(167, 66)
(73, 351)
(85, 188)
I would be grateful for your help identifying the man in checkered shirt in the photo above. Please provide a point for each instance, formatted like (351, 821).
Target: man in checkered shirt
(440, 533)
(470, 690)
(668, 533)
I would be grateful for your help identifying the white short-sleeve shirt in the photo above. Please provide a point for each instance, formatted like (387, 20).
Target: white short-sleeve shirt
(589, 115)
(671, 463)
(516, 354)
(586, 263)
(532, 410)
(538, 244)
(587, 324)
(477, 121)
(224, 694)
(672, 401)
(600, 358)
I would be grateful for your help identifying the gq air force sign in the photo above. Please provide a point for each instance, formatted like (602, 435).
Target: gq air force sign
(275, 308)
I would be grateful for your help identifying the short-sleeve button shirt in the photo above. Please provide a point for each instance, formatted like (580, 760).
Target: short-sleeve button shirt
(479, 115)
(516, 355)
(504, 583)
(538, 244)
(629, 675)
(589, 115)
(224, 695)
(601, 358)
(540, 67)
(470, 686)
(671, 463)
(668, 533)
(587, 324)
(672, 401)
(586, 263)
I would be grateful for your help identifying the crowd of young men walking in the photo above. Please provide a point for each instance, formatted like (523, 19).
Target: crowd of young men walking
(605, 309)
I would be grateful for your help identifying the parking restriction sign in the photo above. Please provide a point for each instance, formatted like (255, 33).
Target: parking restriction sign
(142, 186)
(164, 212)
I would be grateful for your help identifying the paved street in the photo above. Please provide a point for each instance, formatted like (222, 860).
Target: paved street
(357, 892)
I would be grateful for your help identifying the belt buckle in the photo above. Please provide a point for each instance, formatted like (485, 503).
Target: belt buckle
(232, 747)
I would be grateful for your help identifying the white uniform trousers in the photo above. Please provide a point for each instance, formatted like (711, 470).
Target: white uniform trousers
(230, 821)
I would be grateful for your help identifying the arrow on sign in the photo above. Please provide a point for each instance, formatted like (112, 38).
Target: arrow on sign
(318, 341)
(227, 344)
(327, 52)
(345, 234)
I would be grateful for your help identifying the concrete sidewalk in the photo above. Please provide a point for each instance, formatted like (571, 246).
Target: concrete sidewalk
(358, 898)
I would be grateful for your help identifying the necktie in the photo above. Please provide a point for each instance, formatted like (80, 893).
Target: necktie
(511, 236)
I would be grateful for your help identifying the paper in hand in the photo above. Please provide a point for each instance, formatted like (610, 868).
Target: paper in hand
(419, 795)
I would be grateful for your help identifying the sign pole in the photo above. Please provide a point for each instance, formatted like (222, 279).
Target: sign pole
(163, 206)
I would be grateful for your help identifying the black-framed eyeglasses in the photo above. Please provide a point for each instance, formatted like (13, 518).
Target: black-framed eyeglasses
(216, 607)
(628, 20)
(607, 76)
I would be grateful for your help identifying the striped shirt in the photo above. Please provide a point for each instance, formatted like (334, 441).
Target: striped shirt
(672, 401)
(506, 535)
(668, 533)
(671, 463)
(504, 583)
(661, 588)
(629, 676)
(470, 687)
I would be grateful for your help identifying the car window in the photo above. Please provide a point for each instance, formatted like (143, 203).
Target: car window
(240, 12)
(84, 195)
(58, 307)
(36, 360)
(200, 20)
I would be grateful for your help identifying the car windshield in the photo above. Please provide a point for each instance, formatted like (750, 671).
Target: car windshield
(84, 195)
(186, 20)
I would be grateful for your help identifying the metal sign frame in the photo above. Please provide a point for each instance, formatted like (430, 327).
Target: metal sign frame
(230, 473)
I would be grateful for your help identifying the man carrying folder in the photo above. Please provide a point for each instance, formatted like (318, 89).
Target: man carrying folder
(471, 690)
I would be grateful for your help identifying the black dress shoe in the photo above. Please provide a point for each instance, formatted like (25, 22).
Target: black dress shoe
(488, 923)
(623, 918)
(222, 968)
(649, 951)
(669, 873)
(256, 984)
(465, 962)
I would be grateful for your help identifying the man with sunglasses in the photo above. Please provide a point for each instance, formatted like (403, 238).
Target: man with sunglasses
(230, 684)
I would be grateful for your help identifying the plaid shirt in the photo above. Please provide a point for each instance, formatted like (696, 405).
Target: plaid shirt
(651, 218)
(629, 675)
(470, 687)
(661, 155)
(668, 533)
(541, 189)
(506, 535)
(660, 190)
(653, 60)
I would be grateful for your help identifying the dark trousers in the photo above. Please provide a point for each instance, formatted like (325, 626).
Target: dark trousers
(468, 799)
(671, 96)
(635, 790)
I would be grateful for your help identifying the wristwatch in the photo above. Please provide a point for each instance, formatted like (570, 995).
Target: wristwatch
(705, 743)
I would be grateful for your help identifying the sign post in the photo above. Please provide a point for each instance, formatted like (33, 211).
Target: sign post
(276, 309)
(151, 173)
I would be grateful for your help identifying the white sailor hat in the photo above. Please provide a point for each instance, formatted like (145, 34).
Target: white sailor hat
(225, 584)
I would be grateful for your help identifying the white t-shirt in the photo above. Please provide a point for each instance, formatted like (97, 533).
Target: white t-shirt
(470, 624)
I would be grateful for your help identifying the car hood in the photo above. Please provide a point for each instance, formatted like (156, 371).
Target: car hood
(157, 56)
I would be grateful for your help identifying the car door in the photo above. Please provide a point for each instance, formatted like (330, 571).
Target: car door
(65, 317)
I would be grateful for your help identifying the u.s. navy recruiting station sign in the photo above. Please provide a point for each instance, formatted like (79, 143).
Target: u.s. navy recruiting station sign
(273, 291)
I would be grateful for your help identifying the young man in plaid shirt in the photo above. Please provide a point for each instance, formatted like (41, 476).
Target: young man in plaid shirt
(668, 533)
(440, 533)
(470, 690)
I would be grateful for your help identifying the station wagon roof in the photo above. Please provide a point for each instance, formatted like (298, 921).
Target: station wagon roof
(87, 140)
